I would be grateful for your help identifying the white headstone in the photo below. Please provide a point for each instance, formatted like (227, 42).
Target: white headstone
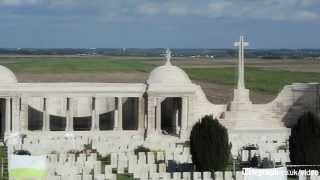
(162, 168)
(239, 175)
(218, 175)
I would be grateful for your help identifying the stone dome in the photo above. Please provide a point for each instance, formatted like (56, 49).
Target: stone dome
(168, 74)
(7, 76)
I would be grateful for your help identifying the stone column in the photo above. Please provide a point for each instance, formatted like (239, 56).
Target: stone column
(158, 115)
(141, 114)
(184, 117)
(69, 117)
(151, 114)
(95, 116)
(177, 114)
(46, 118)
(97, 120)
(8, 115)
(23, 114)
(15, 113)
(118, 114)
(115, 116)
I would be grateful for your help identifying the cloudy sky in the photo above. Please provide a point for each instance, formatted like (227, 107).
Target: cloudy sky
(159, 23)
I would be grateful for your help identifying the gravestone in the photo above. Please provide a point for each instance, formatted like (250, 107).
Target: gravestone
(239, 175)
(218, 175)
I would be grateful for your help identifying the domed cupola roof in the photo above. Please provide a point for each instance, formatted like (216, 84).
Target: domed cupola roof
(7, 76)
(168, 74)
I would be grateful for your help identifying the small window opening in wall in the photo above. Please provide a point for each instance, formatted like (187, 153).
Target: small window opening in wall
(274, 141)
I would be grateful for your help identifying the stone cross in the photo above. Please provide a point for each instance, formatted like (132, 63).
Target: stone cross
(168, 57)
(241, 45)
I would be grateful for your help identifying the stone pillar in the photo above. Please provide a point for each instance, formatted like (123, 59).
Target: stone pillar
(23, 114)
(95, 116)
(158, 115)
(118, 114)
(241, 45)
(69, 124)
(177, 116)
(115, 116)
(97, 120)
(184, 116)
(46, 118)
(241, 100)
(151, 115)
(8, 115)
(141, 114)
(15, 113)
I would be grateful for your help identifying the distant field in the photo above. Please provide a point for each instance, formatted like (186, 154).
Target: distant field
(74, 65)
(267, 81)
(263, 77)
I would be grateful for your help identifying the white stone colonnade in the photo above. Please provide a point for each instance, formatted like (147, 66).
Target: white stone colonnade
(86, 105)
(154, 114)
(72, 100)
(18, 98)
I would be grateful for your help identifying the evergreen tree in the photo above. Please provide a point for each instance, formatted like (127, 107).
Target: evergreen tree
(304, 141)
(209, 145)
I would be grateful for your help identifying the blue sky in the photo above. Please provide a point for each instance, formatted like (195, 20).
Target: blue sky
(159, 23)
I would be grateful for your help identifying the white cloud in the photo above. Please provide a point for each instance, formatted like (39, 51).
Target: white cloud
(178, 10)
(219, 7)
(51, 3)
(149, 8)
(309, 2)
(279, 10)
(307, 16)
(18, 2)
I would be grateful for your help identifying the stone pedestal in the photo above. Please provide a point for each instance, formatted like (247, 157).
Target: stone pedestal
(241, 100)
(241, 108)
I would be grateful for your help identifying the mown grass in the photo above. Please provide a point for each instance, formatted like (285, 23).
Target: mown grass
(261, 80)
(125, 177)
(73, 65)
(267, 81)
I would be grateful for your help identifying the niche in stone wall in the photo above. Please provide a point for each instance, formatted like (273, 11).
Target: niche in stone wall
(130, 110)
(57, 123)
(82, 123)
(35, 119)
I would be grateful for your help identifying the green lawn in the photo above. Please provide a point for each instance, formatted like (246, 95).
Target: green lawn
(125, 177)
(265, 81)
(59, 65)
